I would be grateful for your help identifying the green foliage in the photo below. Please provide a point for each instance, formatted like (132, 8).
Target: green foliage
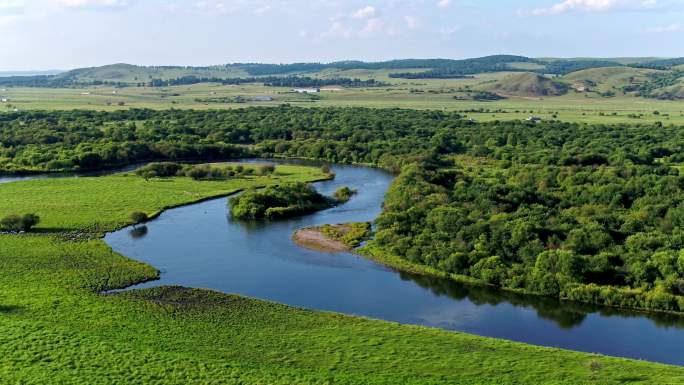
(278, 202)
(139, 217)
(159, 169)
(601, 234)
(344, 194)
(16, 222)
(350, 234)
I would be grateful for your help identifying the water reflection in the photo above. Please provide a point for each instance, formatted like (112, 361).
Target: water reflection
(138, 232)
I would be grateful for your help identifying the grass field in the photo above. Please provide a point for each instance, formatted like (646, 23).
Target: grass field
(69, 204)
(402, 93)
(58, 329)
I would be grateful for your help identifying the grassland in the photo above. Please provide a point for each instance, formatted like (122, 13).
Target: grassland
(58, 328)
(589, 107)
(69, 204)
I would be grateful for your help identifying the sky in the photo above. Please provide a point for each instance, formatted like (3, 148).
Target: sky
(65, 34)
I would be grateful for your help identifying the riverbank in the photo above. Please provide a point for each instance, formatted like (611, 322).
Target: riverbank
(56, 326)
(333, 238)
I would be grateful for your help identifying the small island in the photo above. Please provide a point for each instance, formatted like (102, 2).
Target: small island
(333, 238)
(285, 201)
(279, 202)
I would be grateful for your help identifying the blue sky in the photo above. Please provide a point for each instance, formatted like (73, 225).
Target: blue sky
(45, 34)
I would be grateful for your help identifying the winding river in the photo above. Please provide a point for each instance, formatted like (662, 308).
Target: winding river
(201, 246)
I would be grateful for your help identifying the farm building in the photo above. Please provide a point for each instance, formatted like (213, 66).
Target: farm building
(307, 90)
(262, 99)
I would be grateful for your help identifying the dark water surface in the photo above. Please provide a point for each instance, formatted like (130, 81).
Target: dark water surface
(201, 246)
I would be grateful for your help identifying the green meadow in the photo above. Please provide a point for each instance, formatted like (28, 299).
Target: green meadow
(60, 328)
(589, 107)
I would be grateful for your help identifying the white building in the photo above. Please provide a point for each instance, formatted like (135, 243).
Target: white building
(307, 90)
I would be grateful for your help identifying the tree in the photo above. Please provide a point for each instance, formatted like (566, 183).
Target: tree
(138, 217)
(266, 169)
(554, 269)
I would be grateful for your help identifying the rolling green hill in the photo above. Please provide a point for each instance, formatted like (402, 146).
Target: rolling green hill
(607, 78)
(528, 85)
(131, 74)
(673, 92)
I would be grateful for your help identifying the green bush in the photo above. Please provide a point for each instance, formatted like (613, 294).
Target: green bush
(139, 217)
(344, 194)
(16, 222)
(278, 202)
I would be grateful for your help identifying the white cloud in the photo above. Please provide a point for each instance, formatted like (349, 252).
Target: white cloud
(372, 26)
(444, 3)
(671, 28)
(591, 6)
(263, 9)
(94, 3)
(214, 7)
(337, 29)
(10, 6)
(11, 11)
(411, 22)
(448, 31)
(364, 13)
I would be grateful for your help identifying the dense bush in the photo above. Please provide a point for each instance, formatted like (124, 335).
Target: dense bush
(16, 222)
(159, 169)
(138, 217)
(278, 202)
(344, 193)
(603, 234)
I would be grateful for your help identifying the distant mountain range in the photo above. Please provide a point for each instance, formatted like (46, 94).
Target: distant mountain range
(29, 73)
(649, 77)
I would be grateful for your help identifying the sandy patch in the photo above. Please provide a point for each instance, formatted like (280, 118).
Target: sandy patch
(315, 240)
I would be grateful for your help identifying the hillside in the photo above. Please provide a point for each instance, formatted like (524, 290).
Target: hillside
(608, 78)
(674, 92)
(131, 74)
(527, 84)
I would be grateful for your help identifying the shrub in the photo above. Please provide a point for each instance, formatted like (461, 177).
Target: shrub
(159, 169)
(16, 222)
(266, 169)
(198, 172)
(344, 193)
(139, 217)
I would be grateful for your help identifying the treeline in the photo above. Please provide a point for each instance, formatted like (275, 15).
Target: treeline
(270, 81)
(564, 67)
(454, 69)
(75, 140)
(72, 140)
(663, 64)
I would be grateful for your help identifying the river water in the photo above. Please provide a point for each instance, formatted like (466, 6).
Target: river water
(201, 246)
